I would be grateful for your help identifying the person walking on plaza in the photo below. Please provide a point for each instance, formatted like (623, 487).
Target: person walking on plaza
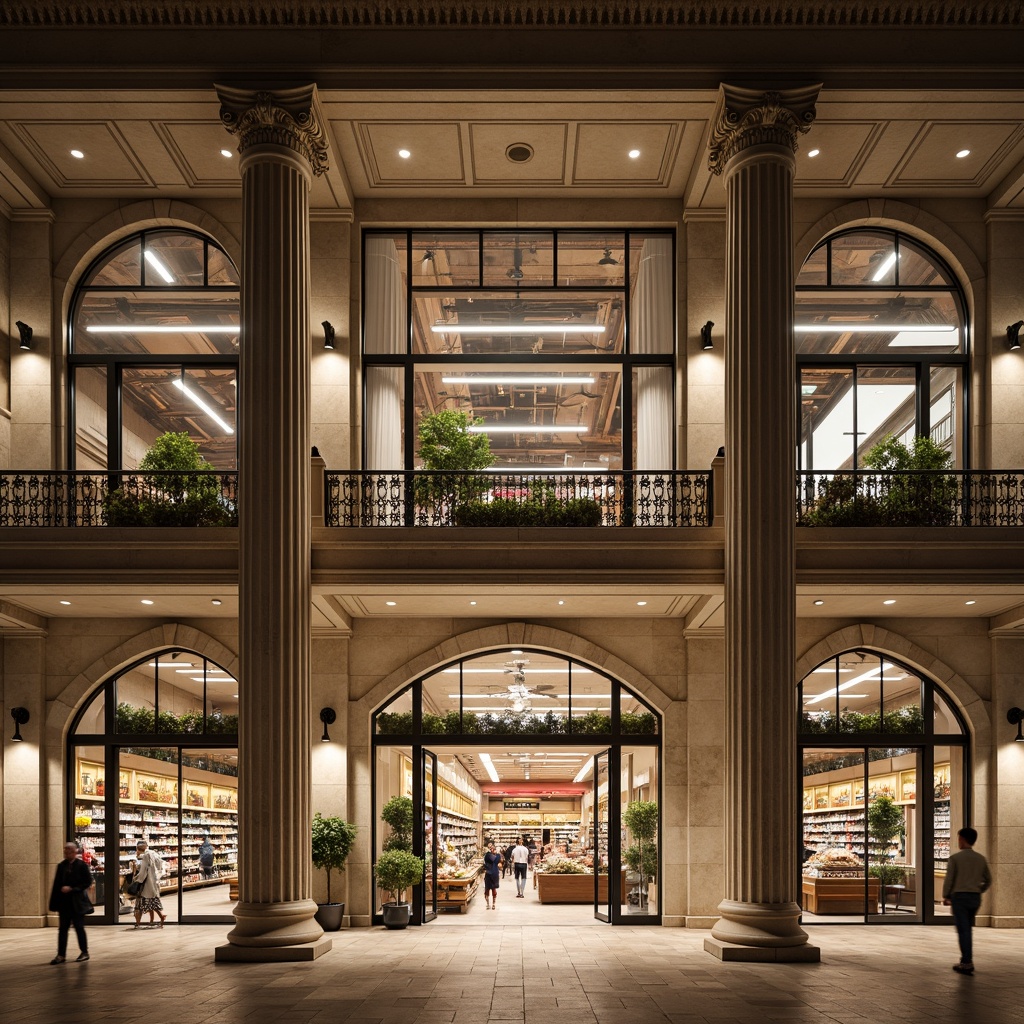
(493, 862)
(967, 877)
(69, 898)
(520, 859)
(148, 869)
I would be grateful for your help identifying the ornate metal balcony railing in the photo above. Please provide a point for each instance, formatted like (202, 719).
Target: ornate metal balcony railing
(670, 498)
(76, 498)
(911, 498)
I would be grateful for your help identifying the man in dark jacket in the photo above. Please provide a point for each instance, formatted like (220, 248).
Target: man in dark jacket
(69, 898)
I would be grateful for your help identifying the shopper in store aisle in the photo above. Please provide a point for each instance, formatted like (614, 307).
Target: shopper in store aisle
(506, 854)
(967, 877)
(69, 898)
(149, 868)
(493, 863)
(520, 860)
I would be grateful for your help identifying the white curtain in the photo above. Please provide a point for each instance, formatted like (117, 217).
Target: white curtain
(385, 334)
(652, 332)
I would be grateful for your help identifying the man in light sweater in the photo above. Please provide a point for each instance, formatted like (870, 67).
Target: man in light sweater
(967, 877)
(520, 860)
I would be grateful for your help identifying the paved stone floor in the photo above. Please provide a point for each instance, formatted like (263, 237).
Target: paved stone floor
(532, 975)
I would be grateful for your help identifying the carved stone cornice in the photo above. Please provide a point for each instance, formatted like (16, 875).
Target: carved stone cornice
(756, 117)
(609, 14)
(285, 117)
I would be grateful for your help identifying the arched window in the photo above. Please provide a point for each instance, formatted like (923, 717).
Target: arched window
(153, 755)
(881, 343)
(885, 765)
(154, 349)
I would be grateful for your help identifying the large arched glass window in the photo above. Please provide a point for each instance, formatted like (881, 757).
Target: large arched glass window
(153, 755)
(154, 349)
(886, 786)
(881, 343)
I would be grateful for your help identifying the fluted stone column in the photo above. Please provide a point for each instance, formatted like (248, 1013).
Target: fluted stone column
(753, 142)
(281, 146)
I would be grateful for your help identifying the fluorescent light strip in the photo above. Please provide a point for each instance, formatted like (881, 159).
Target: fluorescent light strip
(527, 428)
(518, 328)
(560, 669)
(159, 266)
(517, 380)
(584, 771)
(887, 264)
(485, 760)
(873, 674)
(922, 342)
(180, 385)
(163, 328)
(170, 664)
(869, 327)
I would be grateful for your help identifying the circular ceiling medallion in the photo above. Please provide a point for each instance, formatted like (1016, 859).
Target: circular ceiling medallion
(519, 152)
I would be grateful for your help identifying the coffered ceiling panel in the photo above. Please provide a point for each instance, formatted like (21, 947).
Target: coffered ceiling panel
(840, 150)
(603, 148)
(931, 158)
(434, 147)
(489, 144)
(108, 160)
(197, 149)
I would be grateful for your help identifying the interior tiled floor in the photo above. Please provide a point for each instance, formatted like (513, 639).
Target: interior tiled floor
(501, 972)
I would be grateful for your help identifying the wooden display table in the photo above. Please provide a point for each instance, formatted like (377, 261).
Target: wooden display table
(839, 895)
(554, 888)
(456, 893)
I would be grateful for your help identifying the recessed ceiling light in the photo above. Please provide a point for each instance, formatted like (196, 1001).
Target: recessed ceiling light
(812, 153)
(634, 153)
(391, 604)
(970, 602)
(963, 153)
(404, 154)
(225, 152)
(78, 154)
(561, 602)
(891, 600)
(517, 652)
(217, 601)
(472, 602)
(65, 602)
(819, 602)
(146, 600)
(640, 604)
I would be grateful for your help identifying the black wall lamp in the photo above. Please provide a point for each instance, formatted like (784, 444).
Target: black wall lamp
(328, 716)
(328, 334)
(26, 334)
(1012, 335)
(21, 717)
(705, 336)
(1015, 716)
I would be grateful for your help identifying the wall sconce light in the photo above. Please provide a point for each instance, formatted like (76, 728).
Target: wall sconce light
(328, 717)
(26, 334)
(1015, 716)
(705, 336)
(328, 334)
(21, 717)
(1012, 335)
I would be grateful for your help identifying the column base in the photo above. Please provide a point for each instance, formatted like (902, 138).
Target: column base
(273, 925)
(229, 954)
(772, 925)
(733, 952)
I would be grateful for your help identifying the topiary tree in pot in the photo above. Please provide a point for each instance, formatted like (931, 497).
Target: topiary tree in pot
(395, 871)
(885, 823)
(397, 815)
(641, 857)
(333, 839)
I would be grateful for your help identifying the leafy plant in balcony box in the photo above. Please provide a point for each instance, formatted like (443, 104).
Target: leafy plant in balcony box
(333, 839)
(552, 511)
(176, 486)
(449, 450)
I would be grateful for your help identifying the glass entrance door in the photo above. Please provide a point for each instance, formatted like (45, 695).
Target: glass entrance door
(601, 838)
(425, 836)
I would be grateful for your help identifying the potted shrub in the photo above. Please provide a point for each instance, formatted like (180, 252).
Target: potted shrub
(451, 455)
(395, 871)
(885, 823)
(641, 856)
(397, 815)
(333, 839)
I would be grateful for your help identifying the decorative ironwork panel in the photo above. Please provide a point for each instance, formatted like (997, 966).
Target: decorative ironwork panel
(518, 499)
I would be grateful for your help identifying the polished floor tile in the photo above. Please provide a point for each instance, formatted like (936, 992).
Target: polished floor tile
(510, 974)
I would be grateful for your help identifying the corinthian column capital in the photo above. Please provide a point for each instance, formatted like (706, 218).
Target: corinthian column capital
(290, 118)
(754, 117)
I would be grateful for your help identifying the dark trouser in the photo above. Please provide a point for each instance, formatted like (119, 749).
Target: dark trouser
(69, 917)
(965, 907)
(520, 873)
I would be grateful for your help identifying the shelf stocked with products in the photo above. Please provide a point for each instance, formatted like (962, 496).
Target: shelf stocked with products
(942, 835)
(459, 834)
(845, 830)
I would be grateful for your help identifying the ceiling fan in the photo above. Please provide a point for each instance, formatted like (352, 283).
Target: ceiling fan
(517, 692)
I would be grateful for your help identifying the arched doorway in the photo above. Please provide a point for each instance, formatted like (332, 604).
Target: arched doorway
(524, 743)
(153, 754)
(885, 783)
